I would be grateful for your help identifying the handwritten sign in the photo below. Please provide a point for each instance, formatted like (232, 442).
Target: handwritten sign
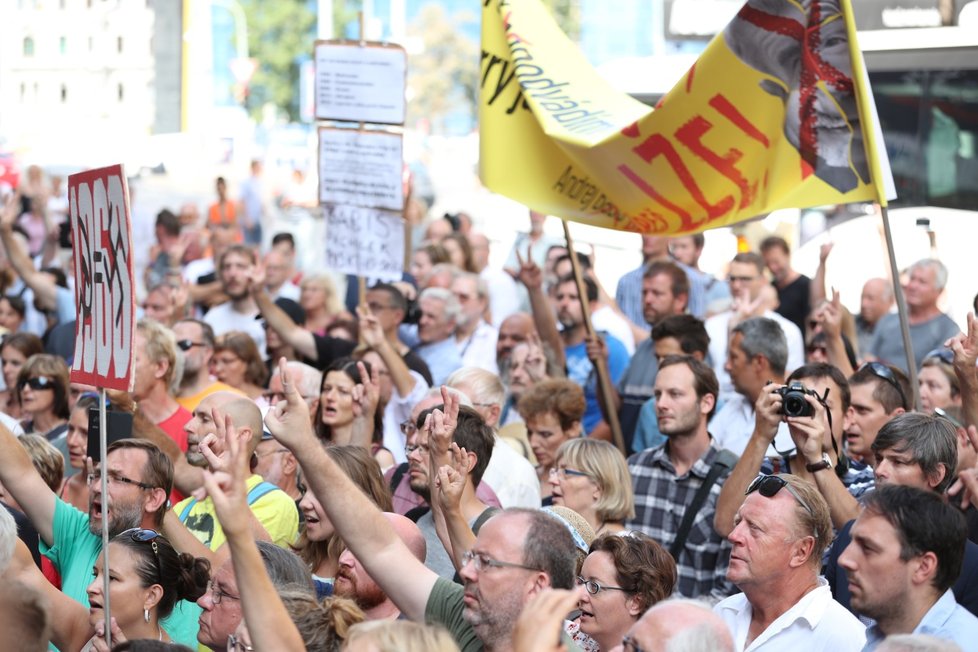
(361, 168)
(98, 207)
(360, 83)
(364, 241)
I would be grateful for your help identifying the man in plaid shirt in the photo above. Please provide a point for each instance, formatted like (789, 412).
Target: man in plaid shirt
(666, 478)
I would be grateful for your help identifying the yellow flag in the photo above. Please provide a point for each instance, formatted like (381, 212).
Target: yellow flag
(770, 116)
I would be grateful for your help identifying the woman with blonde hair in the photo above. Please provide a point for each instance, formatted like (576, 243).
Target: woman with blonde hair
(318, 297)
(399, 636)
(237, 362)
(591, 477)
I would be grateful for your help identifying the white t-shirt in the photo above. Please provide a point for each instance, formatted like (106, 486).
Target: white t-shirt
(224, 318)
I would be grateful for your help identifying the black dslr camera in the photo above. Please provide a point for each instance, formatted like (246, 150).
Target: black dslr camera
(793, 403)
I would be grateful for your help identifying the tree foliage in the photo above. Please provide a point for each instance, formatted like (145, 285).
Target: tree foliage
(567, 13)
(443, 78)
(279, 33)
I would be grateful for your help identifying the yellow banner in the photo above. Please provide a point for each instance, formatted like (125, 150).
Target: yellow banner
(767, 118)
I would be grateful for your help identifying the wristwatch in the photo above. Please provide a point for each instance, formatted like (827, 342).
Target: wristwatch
(824, 463)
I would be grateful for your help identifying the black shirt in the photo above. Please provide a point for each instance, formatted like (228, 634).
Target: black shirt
(795, 301)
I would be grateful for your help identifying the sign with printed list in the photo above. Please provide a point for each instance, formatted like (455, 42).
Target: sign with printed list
(360, 82)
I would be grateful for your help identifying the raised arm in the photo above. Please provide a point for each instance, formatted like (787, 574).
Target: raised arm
(294, 335)
(965, 349)
(45, 289)
(357, 520)
(25, 484)
(816, 291)
(269, 624)
(531, 276)
(373, 336)
(830, 317)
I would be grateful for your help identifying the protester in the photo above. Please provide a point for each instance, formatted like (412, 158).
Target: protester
(591, 477)
(552, 411)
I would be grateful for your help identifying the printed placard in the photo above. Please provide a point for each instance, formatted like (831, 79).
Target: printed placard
(364, 241)
(98, 207)
(361, 168)
(360, 83)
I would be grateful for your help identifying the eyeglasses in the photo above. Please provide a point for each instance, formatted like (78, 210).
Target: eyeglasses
(944, 355)
(95, 477)
(408, 427)
(940, 412)
(564, 473)
(95, 395)
(272, 452)
(594, 587)
(628, 644)
(36, 383)
(186, 345)
(484, 562)
(237, 645)
(880, 370)
(140, 535)
(741, 279)
(769, 486)
(410, 448)
(218, 594)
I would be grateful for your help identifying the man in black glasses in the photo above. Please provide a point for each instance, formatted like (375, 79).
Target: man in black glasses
(780, 532)
(195, 339)
(914, 450)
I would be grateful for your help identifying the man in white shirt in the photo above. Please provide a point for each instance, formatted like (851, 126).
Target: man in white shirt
(778, 541)
(476, 339)
(747, 284)
(239, 312)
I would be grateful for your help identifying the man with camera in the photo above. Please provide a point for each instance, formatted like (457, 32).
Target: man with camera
(756, 356)
(813, 405)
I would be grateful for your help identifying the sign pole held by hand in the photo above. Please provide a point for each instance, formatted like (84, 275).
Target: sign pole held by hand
(601, 365)
(98, 210)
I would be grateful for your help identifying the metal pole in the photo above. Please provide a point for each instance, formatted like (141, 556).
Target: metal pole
(106, 609)
(901, 310)
(601, 366)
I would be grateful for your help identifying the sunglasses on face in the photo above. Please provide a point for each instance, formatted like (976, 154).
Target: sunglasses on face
(36, 383)
(186, 345)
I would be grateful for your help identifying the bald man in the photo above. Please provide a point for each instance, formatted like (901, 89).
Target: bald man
(679, 624)
(875, 302)
(353, 582)
(275, 515)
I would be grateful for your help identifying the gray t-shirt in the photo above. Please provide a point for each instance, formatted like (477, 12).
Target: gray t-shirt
(887, 343)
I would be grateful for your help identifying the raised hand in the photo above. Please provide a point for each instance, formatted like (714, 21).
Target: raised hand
(767, 411)
(529, 273)
(440, 425)
(98, 642)
(536, 361)
(808, 433)
(10, 210)
(256, 278)
(450, 480)
(225, 431)
(830, 316)
(824, 251)
(965, 347)
(595, 348)
(289, 420)
(227, 488)
(370, 329)
(540, 624)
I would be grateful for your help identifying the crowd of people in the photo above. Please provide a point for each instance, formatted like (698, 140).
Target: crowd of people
(433, 465)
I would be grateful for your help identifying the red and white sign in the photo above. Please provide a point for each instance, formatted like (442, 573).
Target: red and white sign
(98, 207)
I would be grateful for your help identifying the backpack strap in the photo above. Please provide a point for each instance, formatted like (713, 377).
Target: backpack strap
(724, 461)
(186, 510)
(398, 474)
(260, 490)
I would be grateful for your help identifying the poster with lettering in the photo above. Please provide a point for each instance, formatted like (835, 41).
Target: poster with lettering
(360, 82)
(364, 241)
(361, 168)
(98, 208)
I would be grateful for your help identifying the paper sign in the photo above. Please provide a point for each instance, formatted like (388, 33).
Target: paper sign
(360, 168)
(360, 83)
(98, 207)
(365, 242)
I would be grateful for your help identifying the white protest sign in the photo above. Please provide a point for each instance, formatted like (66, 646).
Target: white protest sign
(360, 83)
(98, 207)
(364, 241)
(361, 168)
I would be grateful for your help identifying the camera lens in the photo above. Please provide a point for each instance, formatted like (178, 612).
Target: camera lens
(794, 406)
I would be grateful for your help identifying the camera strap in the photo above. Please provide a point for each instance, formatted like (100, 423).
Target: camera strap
(725, 460)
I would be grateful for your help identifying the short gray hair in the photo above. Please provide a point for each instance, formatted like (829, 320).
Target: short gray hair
(764, 337)
(708, 633)
(940, 271)
(481, 287)
(310, 378)
(285, 568)
(484, 386)
(452, 307)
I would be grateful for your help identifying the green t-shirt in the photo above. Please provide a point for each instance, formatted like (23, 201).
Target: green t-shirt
(445, 607)
(74, 553)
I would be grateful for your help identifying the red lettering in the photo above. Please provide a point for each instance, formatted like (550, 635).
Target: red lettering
(690, 135)
(657, 145)
(730, 112)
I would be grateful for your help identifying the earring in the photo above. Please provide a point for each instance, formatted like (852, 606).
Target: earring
(146, 615)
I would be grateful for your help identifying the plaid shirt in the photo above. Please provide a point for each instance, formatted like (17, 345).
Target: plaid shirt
(660, 502)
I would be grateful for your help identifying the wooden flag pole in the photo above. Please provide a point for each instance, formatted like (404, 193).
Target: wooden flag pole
(902, 311)
(601, 365)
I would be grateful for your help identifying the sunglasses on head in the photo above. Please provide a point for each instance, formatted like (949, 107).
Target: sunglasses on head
(944, 355)
(140, 535)
(38, 382)
(186, 345)
(769, 486)
(880, 370)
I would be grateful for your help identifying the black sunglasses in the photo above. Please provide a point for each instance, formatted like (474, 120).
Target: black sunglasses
(880, 370)
(769, 486)
(140, 535)
(944, 355)
(38, 382)
(186, 345)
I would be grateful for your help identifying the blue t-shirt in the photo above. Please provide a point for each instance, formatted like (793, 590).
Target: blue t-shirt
(581, 371)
